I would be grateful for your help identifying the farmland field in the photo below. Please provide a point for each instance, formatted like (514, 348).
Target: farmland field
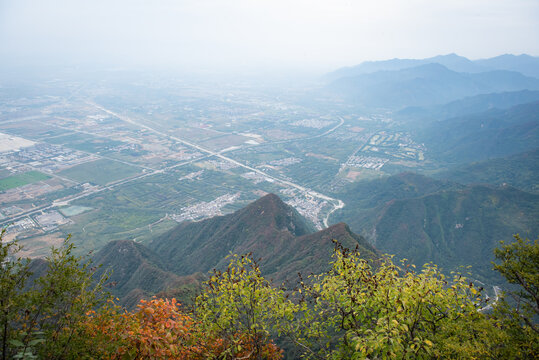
(100, 172)
(15, 181)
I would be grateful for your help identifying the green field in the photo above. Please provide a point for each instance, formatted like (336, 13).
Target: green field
(14, 181)
(85, 142)
(127, 211)
(100, 172)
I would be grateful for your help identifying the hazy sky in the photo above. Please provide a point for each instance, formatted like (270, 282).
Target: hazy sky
(308, 34)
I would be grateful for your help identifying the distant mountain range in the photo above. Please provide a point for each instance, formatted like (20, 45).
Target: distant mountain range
(399, 83)
(525, 64)
(479, 120)
(418, 116)
(176, 262)
(456, 227)
(425, 85)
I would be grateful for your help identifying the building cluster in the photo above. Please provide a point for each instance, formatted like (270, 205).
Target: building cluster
(43, 157)
(309, 208)
(367, 162)
(312, 123)
(256, 177)
(285, 162)
(23, 225)
(204, 210)
(50, 220)
(223, 165)
(192, 176)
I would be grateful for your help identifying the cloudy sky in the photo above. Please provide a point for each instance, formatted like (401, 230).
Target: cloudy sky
(303, 34)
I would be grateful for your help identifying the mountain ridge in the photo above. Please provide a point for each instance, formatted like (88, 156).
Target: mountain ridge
(447, 223)
(425, 85)
(519, 170)
(490, 134)
(526, 64)
(273, 232)
(418, 116)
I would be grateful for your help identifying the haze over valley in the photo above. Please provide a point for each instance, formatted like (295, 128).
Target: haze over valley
(119, 155)
(269, 179)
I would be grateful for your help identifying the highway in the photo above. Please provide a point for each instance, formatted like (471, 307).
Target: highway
(341, 122)
(97, 189)
(337, 204)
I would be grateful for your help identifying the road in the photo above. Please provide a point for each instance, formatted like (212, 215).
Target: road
(341, 122)
(67, 200)
(497, 292)
(337, 204)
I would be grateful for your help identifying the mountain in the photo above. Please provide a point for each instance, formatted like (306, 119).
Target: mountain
(520, 170)
(263, 227)
(456, 228)
(490, 134)
(137, 272)
(450, 61)
(417, 116)
(425, 85)
(423, 219)
(311, 253)
(174, 263)
(525, 64)
(369, 194)
(365, 198)
(268, 228)
(134, 273)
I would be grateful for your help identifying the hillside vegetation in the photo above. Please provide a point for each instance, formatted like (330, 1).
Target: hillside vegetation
(482, 136)
(356, 309)
(174, 263)
(452, 225)
(520, 170)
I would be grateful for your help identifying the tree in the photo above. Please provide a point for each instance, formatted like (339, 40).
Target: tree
(520, 265)
(241, 307)
(356, 310)
(157, 329)
(35, 316)
(361, 310)
(232, 320)
(12, 280)
(518, 313)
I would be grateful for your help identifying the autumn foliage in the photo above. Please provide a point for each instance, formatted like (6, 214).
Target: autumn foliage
(157, 329)
(356, 310)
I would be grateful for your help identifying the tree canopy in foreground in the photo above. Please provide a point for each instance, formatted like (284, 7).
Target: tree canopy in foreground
(359, 309)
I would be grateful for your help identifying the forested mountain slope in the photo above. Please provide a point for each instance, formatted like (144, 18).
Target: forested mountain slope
(453, 225)
(175, 263)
